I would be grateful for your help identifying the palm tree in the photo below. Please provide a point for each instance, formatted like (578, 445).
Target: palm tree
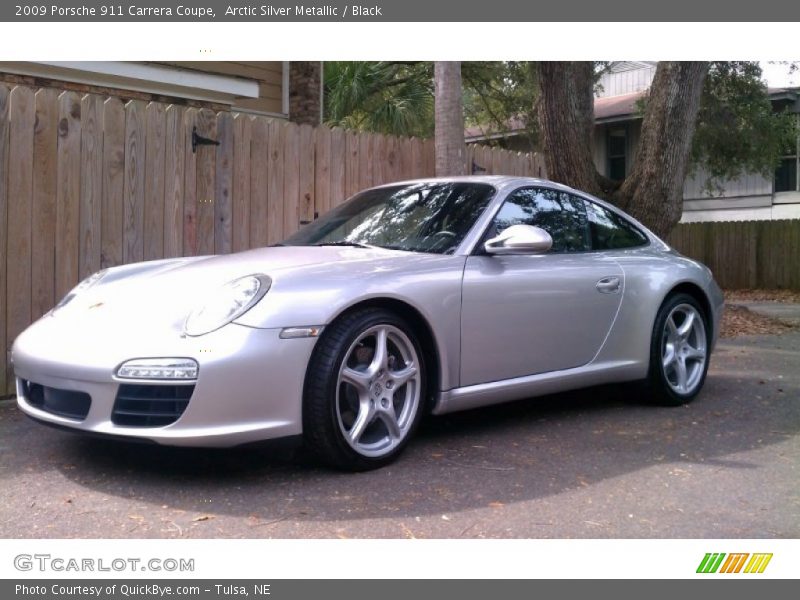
(386, 97)
(451, 150)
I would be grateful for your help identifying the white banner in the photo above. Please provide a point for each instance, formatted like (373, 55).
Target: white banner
(391, 559)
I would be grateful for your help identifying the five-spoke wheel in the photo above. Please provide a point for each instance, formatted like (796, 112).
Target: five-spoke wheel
(365, 390)
(378, 394)
(679, 352)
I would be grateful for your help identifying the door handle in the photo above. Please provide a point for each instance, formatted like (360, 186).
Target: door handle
(608, 285)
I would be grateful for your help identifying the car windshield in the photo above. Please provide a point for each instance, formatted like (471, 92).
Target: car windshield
(421, 217)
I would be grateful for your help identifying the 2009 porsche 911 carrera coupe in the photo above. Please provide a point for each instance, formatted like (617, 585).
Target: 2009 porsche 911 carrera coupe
(425, 296)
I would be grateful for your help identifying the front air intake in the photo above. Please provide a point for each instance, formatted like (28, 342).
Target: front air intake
(63, 403)
(150, 405)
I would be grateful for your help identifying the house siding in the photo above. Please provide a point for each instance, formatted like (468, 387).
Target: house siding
(626, 78)
(268, 74)
(256, 87)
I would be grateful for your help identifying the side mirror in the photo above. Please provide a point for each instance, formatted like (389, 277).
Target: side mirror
(520, 239)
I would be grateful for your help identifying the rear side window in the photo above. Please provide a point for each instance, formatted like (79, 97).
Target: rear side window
(609, 231)
(561, 215)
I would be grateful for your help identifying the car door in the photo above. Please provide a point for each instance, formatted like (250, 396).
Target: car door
(524, 315)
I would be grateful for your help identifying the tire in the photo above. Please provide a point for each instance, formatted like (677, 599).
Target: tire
(679, 353)
(361, 404)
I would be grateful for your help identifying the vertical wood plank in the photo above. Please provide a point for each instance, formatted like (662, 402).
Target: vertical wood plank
(306, 178)
(417, 158)
(240, 202)
(369, 168)
(189, 186)
(6, 379)
(291, 183)
(429, 159)
(154, 168)
(275, 191)
(91, 185)
(487, 159)
(68, 192)
(19, 206)
(206, 182)
(322, 171)
(174, 178)
(794, 260)
(338, 161)
(261, 216)
(113, 203)
(377, 162)
(133, 194)
(393, 157)
(43, 216)
(497, 162)
(795, 256)
(223, 207)
(759, 253)
(20, 194)
(351, 166)
(405, 165)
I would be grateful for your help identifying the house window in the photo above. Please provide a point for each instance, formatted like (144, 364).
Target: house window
(786, 175)
(617, 139)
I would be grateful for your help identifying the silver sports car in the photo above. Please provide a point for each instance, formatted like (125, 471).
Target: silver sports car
(424, 296)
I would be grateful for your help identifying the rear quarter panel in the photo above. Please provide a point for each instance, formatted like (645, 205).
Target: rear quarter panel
(650, 275)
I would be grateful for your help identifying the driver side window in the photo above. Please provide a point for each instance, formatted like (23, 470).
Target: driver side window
(558, 213)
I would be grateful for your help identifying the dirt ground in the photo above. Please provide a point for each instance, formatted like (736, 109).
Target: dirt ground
(739, 320)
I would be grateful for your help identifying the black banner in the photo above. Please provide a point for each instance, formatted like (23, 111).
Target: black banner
(399, 11)
(281, 589)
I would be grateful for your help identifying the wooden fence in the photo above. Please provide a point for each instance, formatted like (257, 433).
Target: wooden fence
(88, 181)
(745, 254)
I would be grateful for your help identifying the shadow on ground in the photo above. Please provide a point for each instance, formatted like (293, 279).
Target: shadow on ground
(504, 454)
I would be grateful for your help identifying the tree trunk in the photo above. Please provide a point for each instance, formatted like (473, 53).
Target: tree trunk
(653, 191)
(305, 92)
(451, 151)
(566, 120)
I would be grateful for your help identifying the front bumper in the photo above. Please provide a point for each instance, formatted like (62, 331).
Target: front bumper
(249, 386)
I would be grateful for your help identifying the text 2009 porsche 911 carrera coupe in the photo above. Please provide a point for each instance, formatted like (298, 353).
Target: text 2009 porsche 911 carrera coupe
(425, 296)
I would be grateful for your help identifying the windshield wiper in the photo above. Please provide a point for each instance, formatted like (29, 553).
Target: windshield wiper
(344, 243)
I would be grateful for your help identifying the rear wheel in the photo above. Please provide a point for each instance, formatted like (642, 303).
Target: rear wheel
(679, 351)
(364, 390)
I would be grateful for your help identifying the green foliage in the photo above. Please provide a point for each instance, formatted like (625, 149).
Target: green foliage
(501, 96)
(397, 97)
(738, 130)
(384, 97)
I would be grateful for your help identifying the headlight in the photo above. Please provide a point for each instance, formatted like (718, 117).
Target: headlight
(229, 302)
(80, 288)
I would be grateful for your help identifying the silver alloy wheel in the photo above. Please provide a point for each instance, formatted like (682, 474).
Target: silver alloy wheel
(683, 349)
(378, 390)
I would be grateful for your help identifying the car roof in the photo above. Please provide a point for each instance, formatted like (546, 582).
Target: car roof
(490, 179)
(498, 181)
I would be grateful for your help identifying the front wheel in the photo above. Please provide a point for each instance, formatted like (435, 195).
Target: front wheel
(364, 390)
(679, 351)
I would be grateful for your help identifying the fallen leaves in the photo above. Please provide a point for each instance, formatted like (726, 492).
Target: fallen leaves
(739, 320)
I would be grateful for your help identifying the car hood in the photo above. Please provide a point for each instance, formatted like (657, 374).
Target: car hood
(162, 293)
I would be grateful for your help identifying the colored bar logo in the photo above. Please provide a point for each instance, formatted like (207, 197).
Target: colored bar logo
(719, 562)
